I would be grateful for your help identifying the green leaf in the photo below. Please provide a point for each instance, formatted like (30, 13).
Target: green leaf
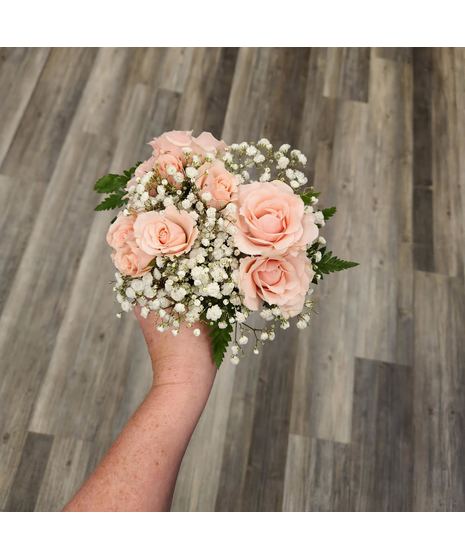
(220, 339)
(129, 172)
(110, 183)
(113, 184)
(111, 202)
(330, 264)
(308, 195)
(328, 212)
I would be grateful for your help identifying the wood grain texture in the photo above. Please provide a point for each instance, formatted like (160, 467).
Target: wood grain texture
(364, 410)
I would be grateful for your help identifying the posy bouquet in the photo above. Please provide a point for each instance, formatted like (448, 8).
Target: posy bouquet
(214, 232)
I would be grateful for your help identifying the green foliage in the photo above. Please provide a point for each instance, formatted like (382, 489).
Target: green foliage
(329, 264)
(220, 339)
(114, 185)
(328, 212)
(308, 195)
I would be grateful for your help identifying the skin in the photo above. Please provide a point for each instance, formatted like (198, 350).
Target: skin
(139, 471)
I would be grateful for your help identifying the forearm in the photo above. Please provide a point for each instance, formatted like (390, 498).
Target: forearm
(139, 471)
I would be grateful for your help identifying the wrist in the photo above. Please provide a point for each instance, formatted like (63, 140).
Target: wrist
(183, 375)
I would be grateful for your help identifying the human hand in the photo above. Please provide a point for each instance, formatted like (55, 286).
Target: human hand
(183, 359)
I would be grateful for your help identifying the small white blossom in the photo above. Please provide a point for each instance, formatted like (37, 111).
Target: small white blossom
(301, 324)
(264, 336)
(235, 359)
(234, 349)
(213, 289)
(179, 308)
(266, 314)
(130, 293)
(283, 162)
(144, 312)
(243, 340)
(240, 317)
(317, 257)
(191, 172)
(170, 170)
(319, 218)
(214, 313)
(196, 332)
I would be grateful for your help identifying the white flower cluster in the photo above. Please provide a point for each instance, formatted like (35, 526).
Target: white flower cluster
(203, 283)
(284, 164)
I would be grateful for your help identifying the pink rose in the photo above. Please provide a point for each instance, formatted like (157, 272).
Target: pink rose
(169, 232)
(271, 219)
(171, 142)
(207, 143)
(220, 183)
(145, 167)
(130, 260)
(121, 231)
(278, 280)
(166, 160)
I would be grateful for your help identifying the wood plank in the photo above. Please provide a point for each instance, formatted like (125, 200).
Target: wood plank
(439, 376)
(448, 119)
(382, 437)
(65, 471)
(21, 68)
(17, 220)
(264, 479)
(218, 99)
(423, 236)
(11, 449)
(248, 90)
(29, 474)
(317, 475)
(347, 75)
(385, 204)
(46, 121)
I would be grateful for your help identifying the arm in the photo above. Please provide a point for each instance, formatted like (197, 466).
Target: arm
(139, 471)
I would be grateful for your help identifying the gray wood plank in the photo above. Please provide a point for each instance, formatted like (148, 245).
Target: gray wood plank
(382, 438)
(11, 448)
(20, 69)
(29, 474)
(48, 115)
(65, 472)
(439, 384)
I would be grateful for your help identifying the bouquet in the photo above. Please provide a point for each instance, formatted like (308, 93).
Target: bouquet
(213, 232)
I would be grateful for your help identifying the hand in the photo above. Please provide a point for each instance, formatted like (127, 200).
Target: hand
(183, 359)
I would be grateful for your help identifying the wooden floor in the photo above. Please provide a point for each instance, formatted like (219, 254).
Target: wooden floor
(363, 411)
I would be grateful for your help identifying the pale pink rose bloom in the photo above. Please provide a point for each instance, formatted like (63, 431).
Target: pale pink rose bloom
(145, 167)
(171, 142)
(129, 259)
(278, 280)
(169, 232)
(121, 231)
(271, 219)
(216, 180)
(207, 143)
(166, 160)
